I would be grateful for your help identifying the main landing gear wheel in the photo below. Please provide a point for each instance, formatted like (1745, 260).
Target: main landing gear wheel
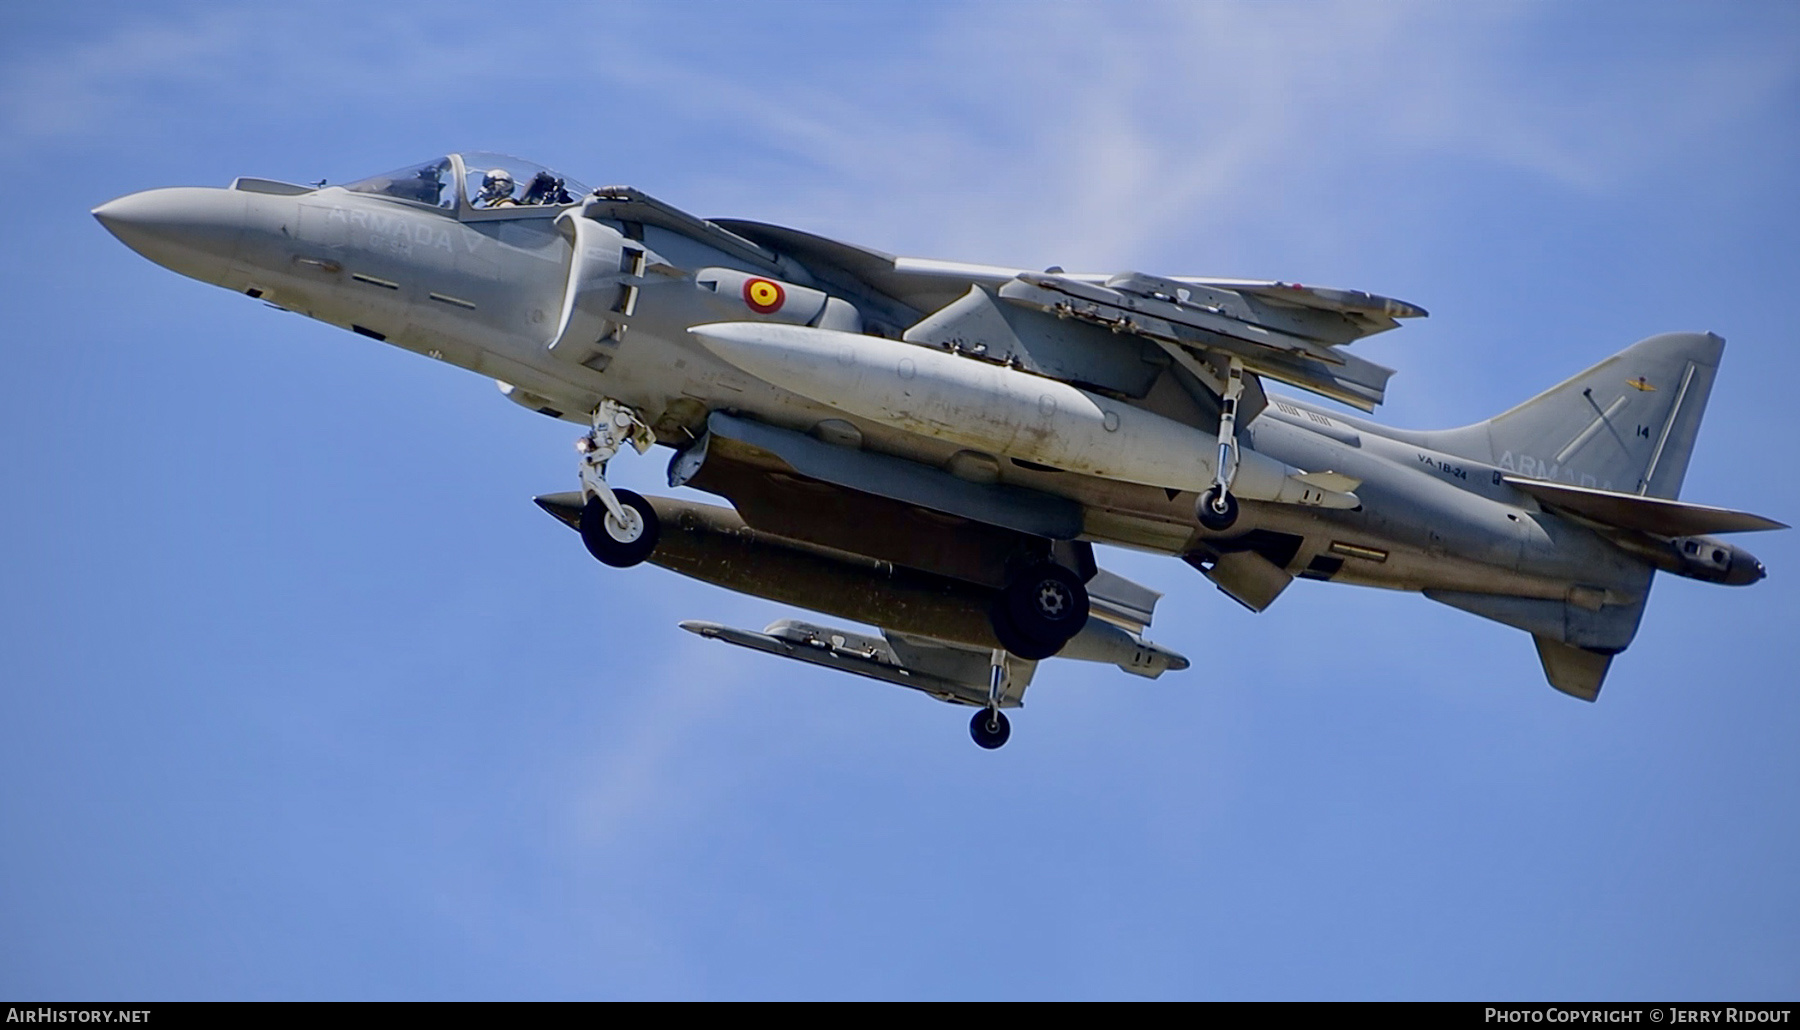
(616, 543)
(989, 728)
(1215, 516)
(1047, 603)
(1014, 640)
(1039, 611)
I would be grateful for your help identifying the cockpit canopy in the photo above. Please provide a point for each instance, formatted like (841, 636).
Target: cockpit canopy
(495, 180)
(433, 183)
(476, 181)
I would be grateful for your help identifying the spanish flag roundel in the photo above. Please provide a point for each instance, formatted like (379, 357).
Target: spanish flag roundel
(763, 296)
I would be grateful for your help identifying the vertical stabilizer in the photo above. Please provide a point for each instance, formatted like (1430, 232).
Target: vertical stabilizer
(1627, 424)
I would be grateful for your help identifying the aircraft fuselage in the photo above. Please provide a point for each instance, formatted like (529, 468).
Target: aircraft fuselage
(581, 309)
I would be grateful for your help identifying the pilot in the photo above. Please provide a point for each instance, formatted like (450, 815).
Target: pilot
(546, 188)
(496, 189)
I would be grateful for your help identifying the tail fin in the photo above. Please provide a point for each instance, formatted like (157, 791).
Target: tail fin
(1627, 424)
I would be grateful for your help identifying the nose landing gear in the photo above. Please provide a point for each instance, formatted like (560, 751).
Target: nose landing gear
(989, 727)
(618, 526)
(620, 542)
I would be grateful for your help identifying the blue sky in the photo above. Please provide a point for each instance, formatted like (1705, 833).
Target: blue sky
(303, 698)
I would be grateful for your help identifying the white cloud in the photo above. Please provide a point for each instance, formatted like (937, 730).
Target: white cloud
(1076, 133)
(237, 64)
(88, 86)
(1083, 133)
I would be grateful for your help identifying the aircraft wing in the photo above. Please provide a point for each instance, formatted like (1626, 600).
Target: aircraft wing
(927, 284)
(948, 671)
(1370, 312)
(1283, 331)
(921, 284)
(1654, 515)
(1298, 344)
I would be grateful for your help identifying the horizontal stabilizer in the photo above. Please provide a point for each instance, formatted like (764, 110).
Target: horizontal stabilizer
(1654, 515)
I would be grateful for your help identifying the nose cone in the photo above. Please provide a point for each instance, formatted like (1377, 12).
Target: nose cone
(1744, 569)
(191, 230)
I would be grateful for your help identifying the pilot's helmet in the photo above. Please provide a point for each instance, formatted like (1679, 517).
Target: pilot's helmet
(496, 185)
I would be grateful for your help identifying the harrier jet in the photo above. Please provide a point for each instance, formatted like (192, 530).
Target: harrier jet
(933, 448)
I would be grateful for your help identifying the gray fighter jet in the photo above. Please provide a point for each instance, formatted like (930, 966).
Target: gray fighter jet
(933, 448)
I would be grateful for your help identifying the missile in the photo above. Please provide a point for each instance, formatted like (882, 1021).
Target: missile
(713, 545)
(1002, 411)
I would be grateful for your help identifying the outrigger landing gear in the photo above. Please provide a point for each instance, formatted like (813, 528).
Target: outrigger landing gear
(618, 526)
(1039, 611)
(989, 727)
(1216, 514)
(1218, 510)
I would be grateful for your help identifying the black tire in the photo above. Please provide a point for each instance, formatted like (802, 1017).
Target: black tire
(1047, 603)
(611, 545)
(989, 729)
(1217, 521)
(1016, 642)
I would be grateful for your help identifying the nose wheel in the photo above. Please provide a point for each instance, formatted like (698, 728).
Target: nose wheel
(619, 527)
(615, 541)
